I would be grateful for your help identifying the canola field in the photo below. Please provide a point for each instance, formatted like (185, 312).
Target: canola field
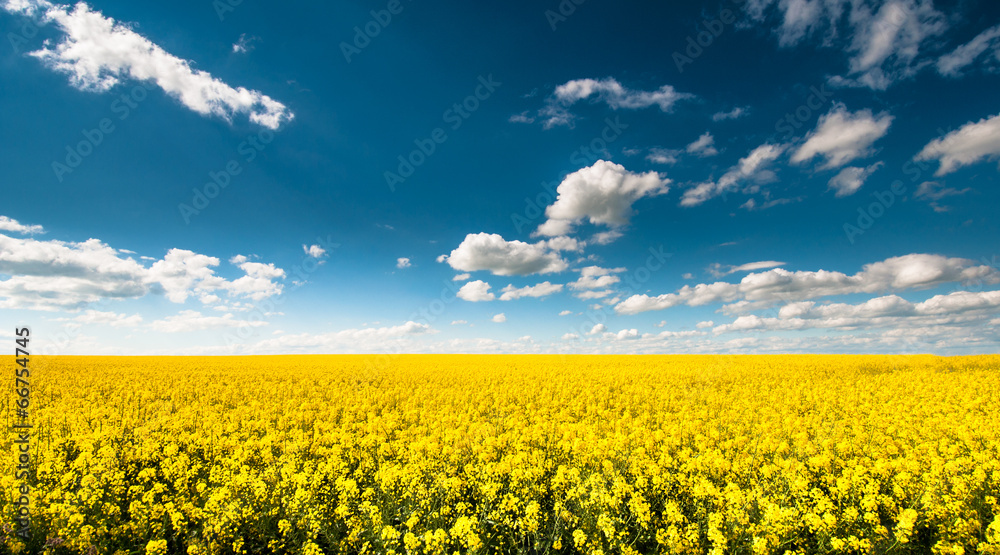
(510, 454)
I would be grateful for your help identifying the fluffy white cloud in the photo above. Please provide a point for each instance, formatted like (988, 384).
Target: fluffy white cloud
(960, 307)
(598, 328)
(98, 53)
(611, 92)
(842, 136)
(595, 277)
(9, 224)
(850, 179)
(719, 270)
(314, 251)
(971, 143)
(403, 263)
(566, 313)
(484, 251)
(543, 289)
(461, 277)
(953, 63)
(703, 147)
(57, 275)
(663, 156)
(476, 291)
(500, 318)
(602, 194)
(192, 320)
(752, 167)
(913, 271)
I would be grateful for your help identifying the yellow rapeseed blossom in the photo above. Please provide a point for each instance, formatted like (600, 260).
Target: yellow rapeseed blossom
(512, 454)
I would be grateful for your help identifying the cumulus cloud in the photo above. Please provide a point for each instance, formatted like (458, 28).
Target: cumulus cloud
(611, 92)
(566, 313)
(971, 143)
(461, 277)
(703, 147)
(596, 277)
(752, 167)
(602, 194)
(491, 252)
(96, 317)
(850, 179)
(500, 318)
(9, 224)
(97, 53)
(403, 263)
(58, 275)
(842, 136)
(314, 251)
(475, 292)
(912, 271)
(958, 307)
(543, 289)
(953, 63)
(664, 156)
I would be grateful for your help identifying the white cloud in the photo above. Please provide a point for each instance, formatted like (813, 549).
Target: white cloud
(590, 295)
(403, 263)
(350, 340)
(314, 251)
(8, 224)
(752, 167)
(98, 53)
(523, 117)
(595, 277)
(735, 113)
(959, 307)
(850, 179)
(566, 313)
(598, 328)
(192, 320)
(459, 322)
(611, 92)
(543, 289)
(719, 270)
(569, 336)
(476, 291)
(57, 275)
(912, 271)
(932, 192)
(244, 44)
(842, 136)
(703, 147)
(971, 143)
(663, 156)
(483, 251)
(602, 194)
(461, 277)
(96, 317)
(705, 324)
(499, 318)
(606, 237)
(953, 63)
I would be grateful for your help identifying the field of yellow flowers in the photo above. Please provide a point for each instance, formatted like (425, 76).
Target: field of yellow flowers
(511, 454)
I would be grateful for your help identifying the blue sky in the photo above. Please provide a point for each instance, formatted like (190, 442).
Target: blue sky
(736, 176)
